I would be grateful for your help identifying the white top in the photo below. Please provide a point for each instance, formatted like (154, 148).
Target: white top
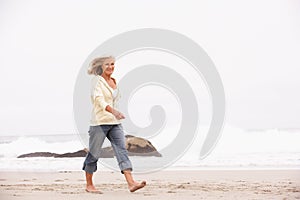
(103, 95)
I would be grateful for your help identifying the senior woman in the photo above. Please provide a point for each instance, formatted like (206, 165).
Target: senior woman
(105, 122)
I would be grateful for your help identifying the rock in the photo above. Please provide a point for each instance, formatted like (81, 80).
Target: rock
(38, 154)
(135, 146)
(80, 153)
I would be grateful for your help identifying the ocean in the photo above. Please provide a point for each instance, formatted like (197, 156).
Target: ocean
(237, 148)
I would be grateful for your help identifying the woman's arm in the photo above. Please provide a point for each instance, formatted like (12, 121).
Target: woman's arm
(99, 97)
(115, 112)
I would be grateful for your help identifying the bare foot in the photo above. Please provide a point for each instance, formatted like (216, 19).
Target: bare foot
(136, 186)
(92, 189)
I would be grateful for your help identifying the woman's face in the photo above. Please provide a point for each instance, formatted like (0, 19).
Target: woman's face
(108, 66)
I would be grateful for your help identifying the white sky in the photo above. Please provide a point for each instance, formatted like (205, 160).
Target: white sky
(255, 46)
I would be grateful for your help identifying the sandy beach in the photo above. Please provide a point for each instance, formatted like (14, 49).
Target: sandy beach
(194, 184)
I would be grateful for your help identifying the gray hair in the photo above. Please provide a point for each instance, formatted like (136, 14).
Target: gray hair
(95, 67)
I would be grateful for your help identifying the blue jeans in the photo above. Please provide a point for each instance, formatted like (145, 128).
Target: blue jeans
(116, 136)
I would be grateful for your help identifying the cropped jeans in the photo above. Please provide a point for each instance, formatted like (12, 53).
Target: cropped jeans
(115, 135)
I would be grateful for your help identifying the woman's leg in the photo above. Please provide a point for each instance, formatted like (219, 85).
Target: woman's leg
(117, 139)
(97, 135)
(132, 184)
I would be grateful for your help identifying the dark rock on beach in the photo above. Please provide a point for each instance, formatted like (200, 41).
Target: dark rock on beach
(38, 154)
(80, 153)
(135, 146)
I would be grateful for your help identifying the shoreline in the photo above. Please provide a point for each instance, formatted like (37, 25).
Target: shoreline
(166, 184)
(102, 168)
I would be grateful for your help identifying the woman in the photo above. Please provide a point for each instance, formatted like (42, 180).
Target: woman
(105, 122)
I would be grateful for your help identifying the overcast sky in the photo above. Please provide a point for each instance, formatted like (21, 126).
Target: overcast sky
(255, 46)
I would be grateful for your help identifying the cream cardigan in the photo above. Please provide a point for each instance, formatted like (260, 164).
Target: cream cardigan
(101, 96)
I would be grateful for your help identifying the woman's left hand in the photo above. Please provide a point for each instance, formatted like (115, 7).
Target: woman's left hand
(118, 114)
